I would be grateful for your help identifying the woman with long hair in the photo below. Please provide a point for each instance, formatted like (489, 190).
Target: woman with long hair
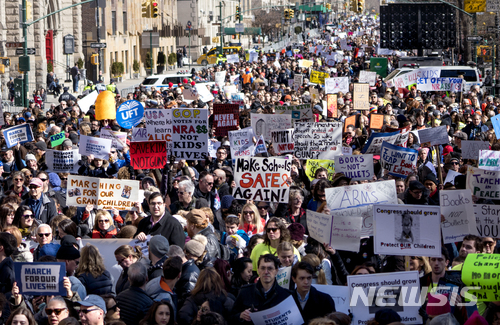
(319, 275)
(250, 220)
(420, 264)
(7, 213)
(20, 316)
(224, 269)
(160, 313)
(295, 212)
(92, 272)
(112, 309)
(24, 219)
(104, 226)
(127, 255)
(67, 227)
(242, 274)
(275, 233)
(208, 287)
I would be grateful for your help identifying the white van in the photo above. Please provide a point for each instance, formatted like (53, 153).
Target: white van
(162, 80)
(471, 74)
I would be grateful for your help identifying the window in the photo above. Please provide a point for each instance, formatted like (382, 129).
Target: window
(125, 22)
(113, 22)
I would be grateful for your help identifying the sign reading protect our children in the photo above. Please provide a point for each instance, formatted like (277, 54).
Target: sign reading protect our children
(102, 193)
(37, 278)
(481, 270)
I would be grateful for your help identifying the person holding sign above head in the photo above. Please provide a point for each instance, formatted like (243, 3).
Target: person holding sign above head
(310, 301)
(92, 310)
(264, 294)
(97, 167)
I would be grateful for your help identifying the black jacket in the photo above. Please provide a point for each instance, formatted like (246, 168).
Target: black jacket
(409, 199)
(134, 303)
(318, 304)
(168, 227)
(156, 270)
(252, 296)
(107, 170)
(7, 278)
(212, 247)
(187, 281)
(189, 310)
(122, 283)
(101, 285)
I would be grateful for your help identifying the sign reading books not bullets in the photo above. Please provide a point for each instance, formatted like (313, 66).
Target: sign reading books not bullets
(407, 230)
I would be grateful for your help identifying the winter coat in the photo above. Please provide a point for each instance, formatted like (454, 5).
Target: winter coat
(101, 285)
(134, 303)
(189, 310)
(168, 227)
(187, 281)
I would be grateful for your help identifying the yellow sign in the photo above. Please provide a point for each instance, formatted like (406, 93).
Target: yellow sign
(315, 164)
(472, 6)
(482, 270)
(215, 40)
(318, 77)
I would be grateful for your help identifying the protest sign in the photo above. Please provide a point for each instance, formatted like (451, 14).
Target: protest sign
(87, 101)
(305, 63)
(346, 151)
(369, 77)
(57, 139)
(356, 167)
(400, 162)
(98, 147)
(17, 134)
(226, 118)
(63, 161)
(481, 270)
(470, 149)
(298, 112)
(331, 103)
(450, 176)
(374, 143)
(263, 124)
(283, 141)
(260, 147)
(411, 77)
(241, 143)
(315, 164)
(458, 212)
(440, 84)
(190, 133)
(484, 184)
(339, 294)
(489, 160)
(318, 77)
(204, 93)
(253, 56)
(158, 127)
(495, 121)
(212, 148)
(358, 200)
(360, 97)
(285, 313)
(350, 121)
(399, 291)
(321, 140)
(298, 80)
(148, 154)
(284, 277)
(232, 58)
(435, 135)
(262, 179)
(376, 121)
(407, 230)
(220, 78)
(336, 85)
(38, 278)
(238, 98)
(340, 232)
(129, 114)
(118, 139)
(139, 134)
(102, 193)
(487, 220)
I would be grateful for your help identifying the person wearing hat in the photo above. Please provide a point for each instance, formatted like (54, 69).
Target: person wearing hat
(197, 223)
(458, 137)
(158, 254)
(475, 129)
(454, 164)
(43, 207)
(416, 193)
(92, 310)
(9, 160)
(431, 183)
(318, 112)
(70, 256)
(162, 286)
(66, 96)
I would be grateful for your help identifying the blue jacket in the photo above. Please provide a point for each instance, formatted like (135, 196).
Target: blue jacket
(101, 285)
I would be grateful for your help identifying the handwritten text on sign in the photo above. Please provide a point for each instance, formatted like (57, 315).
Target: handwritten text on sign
(458, 212)
(262, 179)
(484, 183)
(148, 154)
(357, 167)
(318, 140)
(190, 137)
(400, 162)
(283, 141)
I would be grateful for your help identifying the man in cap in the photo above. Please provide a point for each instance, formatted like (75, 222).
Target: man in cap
(92, 310)
(66, 96)
(69, 255)
(416, 193)
(44, 208)
(431, 183)
(458, 137)
(158, 250)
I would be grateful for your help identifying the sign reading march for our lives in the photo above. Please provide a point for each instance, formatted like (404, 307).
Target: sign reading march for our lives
(283, 141)
(285, 313)
(98, 147)
(148, 154)
(489, 160)
(241, 143)
(314, 164)
(487, 220)
(484, 184)
(37, 278)
(358, 200)
(190, 136)
(17, 134)
(407, 230)
(262, 179)
(399, 161)
(57, 139)
(340, 232)
(440, 84)
(399, 291)
(481, 270)
(129, 114)
(458, 212)
(103, 193)
(356, 167)
(63, 161)
(321, 140)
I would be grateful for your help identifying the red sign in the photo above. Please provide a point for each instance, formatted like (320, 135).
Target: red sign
(148, 154)
(226, 118)
(14, 44)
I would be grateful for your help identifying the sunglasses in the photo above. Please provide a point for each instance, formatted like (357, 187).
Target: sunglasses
(27, 216)
(248, 212)
(112, 151)
(45, 235)
(103, 221)
(63, 178)
(455, 163)
(44, 179)
(19, 180)
(56, 311)
(489, 243)
(33, 187)
(113, 308)
(272, 229)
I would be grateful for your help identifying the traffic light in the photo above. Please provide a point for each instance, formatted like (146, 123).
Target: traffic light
(360, 6)
(145, 10)
(29, 10)
(353, 5)
(154, 9)
(238, 16)
(328, 6)
(287, 14)
(291, 13)
(94, 59)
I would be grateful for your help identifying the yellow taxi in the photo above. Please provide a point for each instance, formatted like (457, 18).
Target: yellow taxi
(211, 56)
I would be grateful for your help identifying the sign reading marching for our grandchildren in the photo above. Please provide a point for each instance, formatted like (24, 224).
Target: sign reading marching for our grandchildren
(262, 179)
(37, 278)
(400, 162)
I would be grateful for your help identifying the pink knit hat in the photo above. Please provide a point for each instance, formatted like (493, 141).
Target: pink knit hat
(437, 304)
(476, 319)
